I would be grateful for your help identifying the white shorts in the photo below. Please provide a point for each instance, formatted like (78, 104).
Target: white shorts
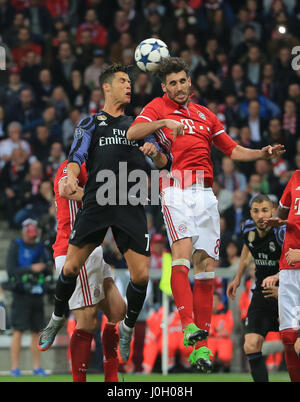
(289, 299)
(192, 212)
(89, 287)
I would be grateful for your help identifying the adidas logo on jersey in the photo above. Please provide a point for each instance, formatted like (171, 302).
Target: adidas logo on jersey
(102, 123)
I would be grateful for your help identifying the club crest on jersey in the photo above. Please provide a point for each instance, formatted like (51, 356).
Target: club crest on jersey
(202, 115)
(272, 246)
(79, 132)
(101, 117)
(182, 228)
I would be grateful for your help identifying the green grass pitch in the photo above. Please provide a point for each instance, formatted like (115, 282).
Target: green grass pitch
(157, 378)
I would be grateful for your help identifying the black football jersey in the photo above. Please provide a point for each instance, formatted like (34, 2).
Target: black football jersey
(110, 157)
(265, 250)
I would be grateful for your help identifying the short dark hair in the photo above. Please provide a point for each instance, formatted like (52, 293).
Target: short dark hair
(260, 199)
(108, 74)
(171, 65)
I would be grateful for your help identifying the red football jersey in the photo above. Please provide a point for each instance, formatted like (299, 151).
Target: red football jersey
(191, 151)
(65, 210)
(291, 200)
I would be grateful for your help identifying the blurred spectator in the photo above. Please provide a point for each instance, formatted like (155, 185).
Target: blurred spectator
(270, 184)
(254, 187)
(10, 35)
(84, 50)
(39, 19)
(125, 42)
(230, 179)
(291, 120)
(41, 143)
(24, 44)
(63, 65)
(253, 65)
(158, 247)
(236, 214)
(268, 109)
(7, 13)
(232, 254)
(219, 340)
(50, 120)
(10, 92)
(223, 195)
(78, 92)
(96, 101)
(91, 23)
(244, 20)
(255, 122)
(235, 83)
(27, 266)
(44, 87)
(55, 159)
(2, 132)
(270, 87)
(13, 141)
(31, 68)
(24, 110)
(61, 103)
(12, 177)
(69, 125)
(141, 92)
(93, 71)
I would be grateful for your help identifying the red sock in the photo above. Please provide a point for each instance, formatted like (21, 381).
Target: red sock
(80, 347)
(182, 294)
(289, 337)
(110, 340)
(202, 305)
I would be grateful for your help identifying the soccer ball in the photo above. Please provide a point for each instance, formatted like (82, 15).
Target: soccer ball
(149, 53)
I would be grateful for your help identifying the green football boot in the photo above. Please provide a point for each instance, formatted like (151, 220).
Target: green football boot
(193, 334)
(199, 359)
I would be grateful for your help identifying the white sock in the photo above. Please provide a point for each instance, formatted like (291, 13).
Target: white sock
(56, 318)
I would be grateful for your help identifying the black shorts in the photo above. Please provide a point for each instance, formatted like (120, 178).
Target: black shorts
(27, 312)
(262, 315)
(128, 224)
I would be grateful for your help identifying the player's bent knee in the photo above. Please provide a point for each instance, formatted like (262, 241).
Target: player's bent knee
(252, 345)
(71, 269)
(140, 277)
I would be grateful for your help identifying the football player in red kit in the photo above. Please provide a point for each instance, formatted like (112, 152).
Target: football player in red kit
(95, 289)
(187, 131)
(288, 212)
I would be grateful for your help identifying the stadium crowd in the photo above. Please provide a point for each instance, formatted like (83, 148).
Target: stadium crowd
(240, 58)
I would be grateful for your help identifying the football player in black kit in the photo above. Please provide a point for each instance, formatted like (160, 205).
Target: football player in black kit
(101, 141)
(264, 245)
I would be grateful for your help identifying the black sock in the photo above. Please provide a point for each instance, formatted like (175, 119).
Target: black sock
(135, 295)
(258, 367)
(65, 287)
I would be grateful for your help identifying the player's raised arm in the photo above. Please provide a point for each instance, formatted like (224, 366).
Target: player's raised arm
(243, 264)
(141, 130)
(240, 153)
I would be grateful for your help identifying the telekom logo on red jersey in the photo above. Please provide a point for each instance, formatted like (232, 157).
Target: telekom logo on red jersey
(297, 206)
(190, 126)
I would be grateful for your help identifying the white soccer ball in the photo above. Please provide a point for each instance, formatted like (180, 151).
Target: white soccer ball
(149, 53)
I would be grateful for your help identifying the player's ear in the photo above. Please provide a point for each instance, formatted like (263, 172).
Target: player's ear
(189, 81)
(163, 87)
(105, 87)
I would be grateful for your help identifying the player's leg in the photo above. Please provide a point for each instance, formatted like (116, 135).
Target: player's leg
(114, 308)
(253, 350)
(138, 265)
(297, 344)
(65, 287)
(288, 302)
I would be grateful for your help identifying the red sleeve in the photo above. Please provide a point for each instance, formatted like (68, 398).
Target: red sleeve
(82, 178)
(224, 142)
(149, 113)
(286, 198)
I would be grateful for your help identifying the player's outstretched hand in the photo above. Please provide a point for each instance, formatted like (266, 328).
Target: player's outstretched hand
(292, 256)
(271, 291)
(270, 281)
(176, 127)
(231, 289)
(270, 151)
(149, 149)
(275, 222)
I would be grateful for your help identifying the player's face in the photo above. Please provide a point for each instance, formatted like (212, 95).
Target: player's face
(177, 87)
(259, 212)
(121, 88)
